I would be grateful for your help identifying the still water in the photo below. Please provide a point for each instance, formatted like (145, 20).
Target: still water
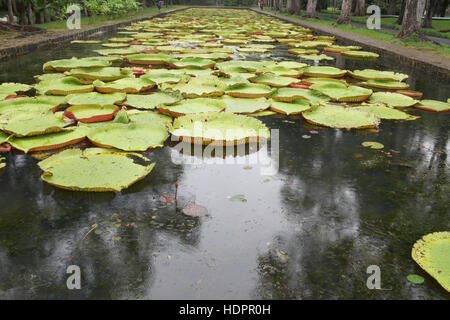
(308, 230)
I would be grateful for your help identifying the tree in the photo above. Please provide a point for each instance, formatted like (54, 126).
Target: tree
(290, 6)
(410, 25)
(360, 9)
(10, 11)
(431, 9)
(392, 7)
(420, 10)
(346, 8)
(311, 9)
(402, 13)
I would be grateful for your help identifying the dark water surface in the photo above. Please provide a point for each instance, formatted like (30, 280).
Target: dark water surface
(308, 231)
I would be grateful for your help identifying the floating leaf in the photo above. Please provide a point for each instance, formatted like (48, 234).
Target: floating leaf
(238, 197)
(416, 279)
(372, 145)
(432, 253)
(195, 210)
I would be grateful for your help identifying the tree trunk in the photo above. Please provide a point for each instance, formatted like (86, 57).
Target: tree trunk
(311, 9)
(44, 12)
(10, 12)
(290, 6)
(431, 9)
(392, 7)
(360, 9)
(410, 25)
(346, 8)
(402, 13)
(420, 10)
(297, 6)
(22, 12)
(30, 13)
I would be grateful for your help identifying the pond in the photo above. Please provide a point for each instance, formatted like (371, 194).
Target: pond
(309, 229)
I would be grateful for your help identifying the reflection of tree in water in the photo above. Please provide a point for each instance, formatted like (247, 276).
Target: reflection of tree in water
(42, 231)
(349, 212)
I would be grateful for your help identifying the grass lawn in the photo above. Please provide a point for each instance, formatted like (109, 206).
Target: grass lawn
(101, 20)
(389, 23)
(412, 42)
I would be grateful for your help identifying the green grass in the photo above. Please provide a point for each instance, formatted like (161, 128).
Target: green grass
(412, 42)
(97, 21)
(389, 23)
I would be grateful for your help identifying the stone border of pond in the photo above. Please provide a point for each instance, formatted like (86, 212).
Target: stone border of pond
(57, 38)
(435, 65)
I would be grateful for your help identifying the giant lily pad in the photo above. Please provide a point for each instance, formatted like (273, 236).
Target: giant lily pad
(392, 99)
(149, 117)
(219, 128)
(323, 71)
(129, 137)
(273, 80)
(153, 100)
(69, 64)
(433, 105)
(193, 62)
(360, 54)
(49, 141)
(290, 94)
(383, 112)
(103, 74)
(297, 106)
(126, 85)
(242, 105)
(432, 253)
(386, 84)
(95, 99)
(13, 88)
(164, 76)
(150, 59)
(29, 104)
(281, 71)
(94, 169)
(247, 90)
(340, 92)
(208, 86)
(91, 113)
(370, 74)
(341, 117)
(63, 86)
(24, 123)
(197, 105)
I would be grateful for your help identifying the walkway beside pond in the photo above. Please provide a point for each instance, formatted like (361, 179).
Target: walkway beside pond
(426, 62)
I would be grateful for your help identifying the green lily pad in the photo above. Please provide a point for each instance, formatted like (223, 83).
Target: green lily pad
(197, 105)
(103, 74)
(91, 113)
(360, 54)
(24, 123)
(386, 84)
(129, 137)
(341, 92)
(370, 74)
(297, 106)
(63, 86)
(69, 64)
(316, 57)
(238, 197)
(273, 80)
(152, 100)
(193, 62)
(372, 145)
(150, 58)
(209, 86)
(323, 71)
(2, 163)
(85, 42)
(126, 85)
(340, 117)
(164, 77)
(433, 105)
(95, 99)
(27, 104)
(49, 141)
(431, 253)
(290, 94)
(281, 71)
(392, 99)
(247, 90)
(241, 105)
(149, 117)
(219, 128)
(119, 51)
(94, 169)
(416, 279)
(384, 112)
(13, 88)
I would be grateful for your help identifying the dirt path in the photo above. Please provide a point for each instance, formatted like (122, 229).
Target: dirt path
(415, 58)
